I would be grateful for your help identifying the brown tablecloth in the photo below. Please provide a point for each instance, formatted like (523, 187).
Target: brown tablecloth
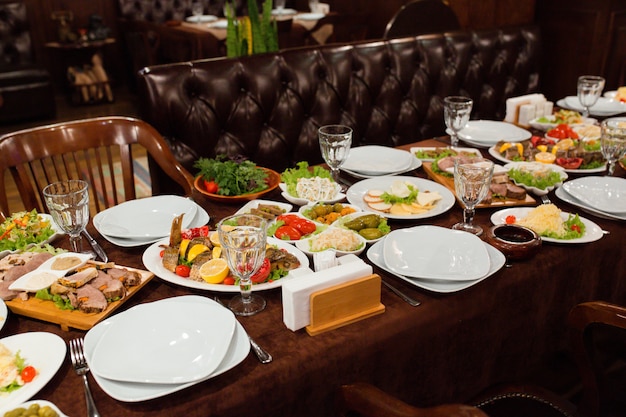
(446, 350)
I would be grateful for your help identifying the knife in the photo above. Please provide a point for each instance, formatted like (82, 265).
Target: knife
(96, 247)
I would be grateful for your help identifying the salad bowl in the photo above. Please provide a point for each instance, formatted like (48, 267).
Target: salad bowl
(273, 179)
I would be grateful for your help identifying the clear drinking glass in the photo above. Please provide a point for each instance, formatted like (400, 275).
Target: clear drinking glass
(456, 114)
(197, 9)
(613, 141)
(313, 5)
(68, 204)
(280, 6)
(471, 184)
(243, 238)
(335, 143)
(589, 89)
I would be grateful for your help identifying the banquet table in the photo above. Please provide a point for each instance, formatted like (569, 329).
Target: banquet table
(448, 349)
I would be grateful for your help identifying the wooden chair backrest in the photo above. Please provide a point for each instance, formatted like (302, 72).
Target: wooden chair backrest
(97, 150)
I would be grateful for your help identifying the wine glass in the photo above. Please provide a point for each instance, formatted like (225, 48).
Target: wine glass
(313, 5)
(335, 142)
(197, 9)
(613, 141)
(456, 114)
(471, 184)
(280, 6)
(243, 238)
(68, 204)
(589, 89)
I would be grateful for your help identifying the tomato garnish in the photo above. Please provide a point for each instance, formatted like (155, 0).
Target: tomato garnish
(182, 271)
(201, 231)
(229, 280)
(162, 253)
(304, 226)
(569, 163)
(575, 228)
(510, 219)
(263, 272)
(287, 233)
(28, 373)
(211, 186)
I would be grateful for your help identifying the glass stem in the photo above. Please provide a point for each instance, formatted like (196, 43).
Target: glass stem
(611, 168)
(468, 215)
(245, 286)
(454, 139)
(76, 243)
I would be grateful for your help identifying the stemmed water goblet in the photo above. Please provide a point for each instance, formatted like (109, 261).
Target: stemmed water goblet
(197, 9)
(471, 184)
(243, 238)
(280, 6)
(613, 142)
(589, 89)
(335, 142)
(68, 204)
(313, 5)
(456, 114)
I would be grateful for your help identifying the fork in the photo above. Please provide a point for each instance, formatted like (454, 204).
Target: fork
(81, 368)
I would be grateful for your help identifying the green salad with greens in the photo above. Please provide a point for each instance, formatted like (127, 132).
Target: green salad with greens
(291, 175)
(538, 179)
(24, 228)
(231, 177)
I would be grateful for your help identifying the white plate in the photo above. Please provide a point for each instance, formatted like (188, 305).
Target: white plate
(416, 149)
(44, 351)
(153, 263)
(545, 126)
(603, 107)
(284, 12)
(219, 24)
(200, 219)
(41, 403)
(145, 218)
(309, 16)
(610, 94)
(496, 258)
(494, 152)
(44, 275)
(415, 163)
(490, 132)
(305, 244)
(134, 392)
(377, 160)
(537, 166)
(357, 191)
(55, 229)
(201, 19)
(302, 201)
(252, 204)
(183, 343)
(606, 194)
(4, 314)
(563, 195)
(593, 232)
(434, 252)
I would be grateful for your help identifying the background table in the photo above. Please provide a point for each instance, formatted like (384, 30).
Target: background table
(446, 350)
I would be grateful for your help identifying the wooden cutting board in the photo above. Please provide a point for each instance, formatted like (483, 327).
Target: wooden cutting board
(47, 311)
(448, 182)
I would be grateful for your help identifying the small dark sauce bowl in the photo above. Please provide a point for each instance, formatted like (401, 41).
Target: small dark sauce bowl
(516, 242)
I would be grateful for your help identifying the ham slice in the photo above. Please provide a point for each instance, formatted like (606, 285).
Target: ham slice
(90, 299)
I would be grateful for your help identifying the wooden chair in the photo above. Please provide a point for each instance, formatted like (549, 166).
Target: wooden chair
(98, 150)
(598, 340)
(419, 17)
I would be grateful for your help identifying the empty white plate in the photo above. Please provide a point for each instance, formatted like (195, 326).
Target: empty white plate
(603, 193)
(182, 343)
(603, 107)
(434, 252)
(377, 160)
(201, 19)
(146, 217)
(490, 132)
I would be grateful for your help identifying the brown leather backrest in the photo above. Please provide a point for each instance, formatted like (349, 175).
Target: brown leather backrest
(268, 107)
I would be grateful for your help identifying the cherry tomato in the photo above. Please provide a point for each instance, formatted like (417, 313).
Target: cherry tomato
(162, 253)
(229, 280)
(304, 226)
(182, 271)
(538, 140)
(28, 374)
(510, 219)
(287, 233)
(575, 228)
(569, 163)
(263, 272)
(562, 131)
(201, 231)
(211, 186)
(288, 219)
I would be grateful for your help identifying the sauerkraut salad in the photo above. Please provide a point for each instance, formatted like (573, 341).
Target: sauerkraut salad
(338, 239)
(547, 221)
(316, 189)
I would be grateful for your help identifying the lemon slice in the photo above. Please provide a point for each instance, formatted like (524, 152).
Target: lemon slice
(196, 250)
(183, 246)
(217, 252)
(215, 239)
(214, 271)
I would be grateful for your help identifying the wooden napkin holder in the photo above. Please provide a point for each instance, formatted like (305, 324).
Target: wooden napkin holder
(345, 303)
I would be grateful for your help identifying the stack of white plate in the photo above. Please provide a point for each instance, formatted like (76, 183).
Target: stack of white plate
(147, 220)
(158, 348)
(486, 133)
(602, 196)
(436, 258)
(604, 107)
(374, 161)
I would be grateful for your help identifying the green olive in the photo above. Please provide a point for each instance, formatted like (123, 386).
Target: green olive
(355, 224)
(337, 207)
(371, 233)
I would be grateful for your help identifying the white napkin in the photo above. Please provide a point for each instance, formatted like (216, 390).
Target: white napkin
(297, 290)
(514, 104)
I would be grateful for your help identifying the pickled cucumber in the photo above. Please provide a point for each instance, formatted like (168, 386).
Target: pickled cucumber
(371, 233)
(355, 224)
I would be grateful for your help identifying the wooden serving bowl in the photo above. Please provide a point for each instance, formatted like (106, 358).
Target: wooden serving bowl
(273, 179)
(516, 242)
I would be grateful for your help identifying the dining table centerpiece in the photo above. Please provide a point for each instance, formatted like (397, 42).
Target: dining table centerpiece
(253, 34)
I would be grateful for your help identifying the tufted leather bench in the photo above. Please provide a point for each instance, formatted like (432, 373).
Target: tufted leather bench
(269, 107)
